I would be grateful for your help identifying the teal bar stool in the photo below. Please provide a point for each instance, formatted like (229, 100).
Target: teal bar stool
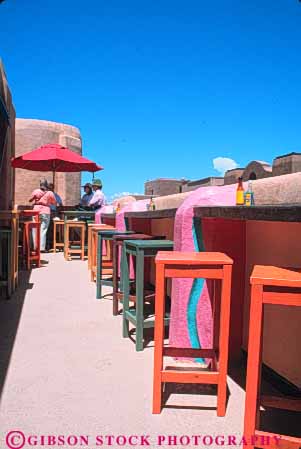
(140, 249)
(104, 235)
(6, 260)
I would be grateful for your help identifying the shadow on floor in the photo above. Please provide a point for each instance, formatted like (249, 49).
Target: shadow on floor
(10, 314)
(274, 420)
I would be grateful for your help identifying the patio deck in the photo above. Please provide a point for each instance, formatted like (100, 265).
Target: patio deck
(65, 369)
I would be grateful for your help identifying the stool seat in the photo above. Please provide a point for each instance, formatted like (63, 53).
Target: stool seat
(275, 276)
(122, 237)
(193, 258)
(149, 244)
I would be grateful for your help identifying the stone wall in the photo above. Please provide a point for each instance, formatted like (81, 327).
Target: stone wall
(161, 186)
(7, 143)
(211, 181)
(31, 134)
(257, 170)
(288, 163)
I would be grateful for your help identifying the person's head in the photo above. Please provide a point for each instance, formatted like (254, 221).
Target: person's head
(44, 185)
(96, 184)
(51, 186)
(88, 188)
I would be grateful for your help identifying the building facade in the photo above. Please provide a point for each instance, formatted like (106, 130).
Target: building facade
(164, 186)
(31, 134)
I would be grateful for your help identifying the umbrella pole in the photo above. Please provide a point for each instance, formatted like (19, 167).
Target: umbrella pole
(53, 179)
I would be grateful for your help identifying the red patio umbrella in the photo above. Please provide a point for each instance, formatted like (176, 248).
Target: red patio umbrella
(56, 158)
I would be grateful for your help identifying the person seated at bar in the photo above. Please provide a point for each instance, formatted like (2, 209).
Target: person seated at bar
(87, 196)
(43, 198)
(98, 199)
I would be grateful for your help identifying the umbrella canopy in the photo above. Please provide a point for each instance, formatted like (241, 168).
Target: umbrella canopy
(55, 158)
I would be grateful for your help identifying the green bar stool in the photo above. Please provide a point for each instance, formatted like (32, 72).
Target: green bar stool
(104, 235)
(141, 249)
(6, 260)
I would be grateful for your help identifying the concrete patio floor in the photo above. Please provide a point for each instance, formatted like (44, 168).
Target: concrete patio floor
(65, 369)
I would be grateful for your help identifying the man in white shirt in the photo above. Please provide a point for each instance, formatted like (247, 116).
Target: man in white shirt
(98, 199)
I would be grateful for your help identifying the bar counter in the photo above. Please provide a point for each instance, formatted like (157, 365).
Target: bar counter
(152, 214)
(286, 213)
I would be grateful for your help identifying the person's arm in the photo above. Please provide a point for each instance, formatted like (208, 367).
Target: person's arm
(33, 196)
(59, 200)
(94, 199)
(51, 198)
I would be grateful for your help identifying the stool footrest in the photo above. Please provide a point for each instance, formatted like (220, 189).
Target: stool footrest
(190, 377)
(190, 352)
(284, 403)
(276, 441)
(147, 321)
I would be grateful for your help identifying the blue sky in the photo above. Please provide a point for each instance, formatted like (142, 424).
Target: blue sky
(159, 88)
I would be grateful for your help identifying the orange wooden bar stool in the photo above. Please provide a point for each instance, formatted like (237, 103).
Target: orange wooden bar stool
(74, 246)
(58, 234)
(107, 265)
(30, 221)
(92, 247)
(278, 286)
(208, 265)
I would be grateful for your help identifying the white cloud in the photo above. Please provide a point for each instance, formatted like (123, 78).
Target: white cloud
(222, 164)
(120, 195)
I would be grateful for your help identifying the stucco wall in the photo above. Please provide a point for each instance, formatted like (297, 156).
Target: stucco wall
(7, 144)
(159, 187)
(31, 134)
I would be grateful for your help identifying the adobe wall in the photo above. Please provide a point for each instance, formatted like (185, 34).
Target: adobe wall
(31, 134)
(161, 187)
(7, 143)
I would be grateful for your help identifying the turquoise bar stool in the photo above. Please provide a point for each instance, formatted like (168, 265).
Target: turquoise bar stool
(102, 236)
(141, 249)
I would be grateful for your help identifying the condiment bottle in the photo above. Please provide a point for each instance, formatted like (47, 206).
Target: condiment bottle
(240, 198)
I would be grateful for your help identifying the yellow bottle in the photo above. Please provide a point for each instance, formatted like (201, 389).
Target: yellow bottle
(240, 194)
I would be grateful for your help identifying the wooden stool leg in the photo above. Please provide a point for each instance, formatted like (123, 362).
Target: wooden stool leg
(126, 293)
(82, 242)
(9, 266)
(115, 277)
(54, 237)
(139, 300)
(38, 250)
(92, 257)
(159, 338)
(224, 341)
(99, 267)
(254, 363)
(28, 246)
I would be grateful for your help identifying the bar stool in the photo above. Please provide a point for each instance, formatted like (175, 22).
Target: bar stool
(208, 265)
(269, 285)
(141, 249)
(69, 244)
(91, 242)
(106, 259)
(105, 235)
(31, 227)
(118, 241)
(58, 234)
